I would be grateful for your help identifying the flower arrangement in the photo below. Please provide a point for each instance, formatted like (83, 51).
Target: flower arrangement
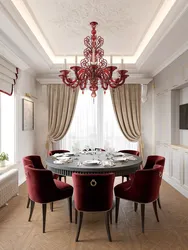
(4, 156)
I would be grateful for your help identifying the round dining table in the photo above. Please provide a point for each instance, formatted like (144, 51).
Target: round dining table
(76, 165)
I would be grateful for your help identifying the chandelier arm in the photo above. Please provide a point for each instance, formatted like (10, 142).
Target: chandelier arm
(93, 69)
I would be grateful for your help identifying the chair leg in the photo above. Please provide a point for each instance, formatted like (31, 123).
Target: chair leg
(52, 206)
(142, 216)
(59, 177)
(110, 216)
(76, 216)
(70, 208)
(28, 201)
(117, 208)
(79, 225)
(135, 206)
(155, 210)
(31, 209)
(159, 203)
(44, 216)
(65, 179)
(122, 178)
(128, 178)
(107, 215)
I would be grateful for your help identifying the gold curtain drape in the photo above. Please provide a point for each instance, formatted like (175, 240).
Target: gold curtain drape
(61, 106)
(126, 101)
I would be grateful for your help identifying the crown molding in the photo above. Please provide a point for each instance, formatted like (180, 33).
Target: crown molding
(177, 12)
(12, 57)
(170, 59)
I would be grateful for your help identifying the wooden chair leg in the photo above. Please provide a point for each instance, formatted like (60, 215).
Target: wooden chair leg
(76, 216)
(110, 216)
(59, 177)
(28, 201)
(31, 209)
(70, 208)
(142, 216)
(128, 178)
(44, 216)
(135, 206)
(117, 208)
(52, 206)
(107, 215)
(79, 225)
(65, 179)
(155, 210)
(159, 203)
(122, 178)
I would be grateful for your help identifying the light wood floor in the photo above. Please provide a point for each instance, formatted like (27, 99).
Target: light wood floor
(16, 233)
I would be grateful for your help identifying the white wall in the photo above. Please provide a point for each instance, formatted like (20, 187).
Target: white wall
(168, 85)
(147, 122)
(25, 140)
(184, 100)
(41, 121)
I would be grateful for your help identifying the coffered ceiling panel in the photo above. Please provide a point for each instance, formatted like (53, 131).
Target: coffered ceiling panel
(65, 23)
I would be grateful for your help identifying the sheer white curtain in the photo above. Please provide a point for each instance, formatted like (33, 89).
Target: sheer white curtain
(7, 125)
(94, 124)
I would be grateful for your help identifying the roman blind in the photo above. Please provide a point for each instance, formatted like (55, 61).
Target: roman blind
(8, 76)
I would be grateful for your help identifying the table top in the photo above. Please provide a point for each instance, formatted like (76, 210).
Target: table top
(120, 168)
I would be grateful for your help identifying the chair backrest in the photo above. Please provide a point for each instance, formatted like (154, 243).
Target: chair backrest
(132, 152)
(146, 184)
(40, 183)
(58, 151)
(93, 192)
(34, 160)
(154, 160)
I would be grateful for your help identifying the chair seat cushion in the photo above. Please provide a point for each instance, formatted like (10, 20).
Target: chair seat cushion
(65, 190)
(55, 176)
(124, 191)
(122, 187)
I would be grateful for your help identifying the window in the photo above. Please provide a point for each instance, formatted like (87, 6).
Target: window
(94, 124)
(7, 125)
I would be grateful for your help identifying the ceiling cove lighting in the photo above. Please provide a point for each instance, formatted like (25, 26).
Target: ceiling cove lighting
(93, 70)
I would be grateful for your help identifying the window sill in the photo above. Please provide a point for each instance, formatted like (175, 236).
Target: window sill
(7, 167)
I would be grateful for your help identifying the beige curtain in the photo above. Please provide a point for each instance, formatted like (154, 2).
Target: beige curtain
(61, 106)
(126, 101)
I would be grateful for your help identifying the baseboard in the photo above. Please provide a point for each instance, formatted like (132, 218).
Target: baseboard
(175, 185)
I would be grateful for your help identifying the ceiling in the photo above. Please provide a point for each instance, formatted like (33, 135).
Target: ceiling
(64, 24)
(147, 34)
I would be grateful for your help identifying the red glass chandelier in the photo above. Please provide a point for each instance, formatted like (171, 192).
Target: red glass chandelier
(94, 71)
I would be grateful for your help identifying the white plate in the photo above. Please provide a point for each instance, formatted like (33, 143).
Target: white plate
(91, 162)
(120, 159)
(118, 154)
(68, 154)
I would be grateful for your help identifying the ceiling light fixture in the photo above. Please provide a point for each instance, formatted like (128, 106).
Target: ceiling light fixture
(94, 70)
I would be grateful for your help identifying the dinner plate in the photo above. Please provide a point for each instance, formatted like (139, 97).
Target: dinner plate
(116, 154)
(68, 154)
(120, 159)
(91, 162)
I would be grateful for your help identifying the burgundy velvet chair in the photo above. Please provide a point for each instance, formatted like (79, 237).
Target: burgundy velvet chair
(154, 160)
(42, 188)
(35, 161)
(143, 189)
(93, 193)
(59, 151)
(132, 152)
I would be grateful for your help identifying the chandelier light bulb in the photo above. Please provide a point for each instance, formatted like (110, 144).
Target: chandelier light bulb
(93, 70)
